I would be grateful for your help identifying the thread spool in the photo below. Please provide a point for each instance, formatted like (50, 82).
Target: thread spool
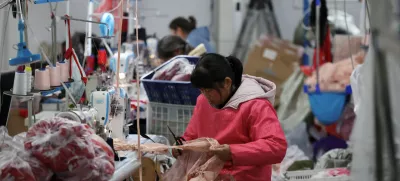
(64, 67)
(54, 75)
(20, 86)
(28, 71)
(42, 79)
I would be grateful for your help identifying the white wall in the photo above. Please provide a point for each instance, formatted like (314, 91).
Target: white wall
(38, 19)
(200, 9)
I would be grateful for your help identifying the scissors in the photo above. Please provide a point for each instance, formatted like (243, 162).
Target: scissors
(178, 140)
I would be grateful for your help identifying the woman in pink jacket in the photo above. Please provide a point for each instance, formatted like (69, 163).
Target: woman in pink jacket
(237, 110)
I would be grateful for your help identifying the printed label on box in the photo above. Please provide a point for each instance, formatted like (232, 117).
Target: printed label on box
(270, 54)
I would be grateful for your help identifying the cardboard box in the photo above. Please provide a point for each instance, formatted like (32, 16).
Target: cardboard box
(15, 123)
(273, 59)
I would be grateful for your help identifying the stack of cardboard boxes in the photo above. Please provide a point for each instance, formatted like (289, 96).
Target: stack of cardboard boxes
(273, 59)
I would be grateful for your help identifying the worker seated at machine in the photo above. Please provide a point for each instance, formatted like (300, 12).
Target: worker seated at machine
(171, 46)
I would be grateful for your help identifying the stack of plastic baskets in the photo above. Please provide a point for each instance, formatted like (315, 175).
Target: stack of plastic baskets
(327, 107)
(160, 115)
(171, 103)
(306, 175)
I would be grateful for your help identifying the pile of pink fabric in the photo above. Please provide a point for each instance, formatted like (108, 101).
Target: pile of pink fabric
(71, 150)
(334, 77)
(178, 69)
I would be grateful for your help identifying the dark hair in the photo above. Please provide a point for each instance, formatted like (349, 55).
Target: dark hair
(167, 46)
(323, 19)
(187, 25)
(212, 69)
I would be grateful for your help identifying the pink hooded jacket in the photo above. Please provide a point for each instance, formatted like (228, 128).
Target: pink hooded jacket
(249, 124)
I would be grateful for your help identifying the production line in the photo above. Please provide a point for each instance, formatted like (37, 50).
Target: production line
(237, 99)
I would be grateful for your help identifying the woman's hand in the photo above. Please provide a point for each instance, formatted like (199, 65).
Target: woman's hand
(223, 152)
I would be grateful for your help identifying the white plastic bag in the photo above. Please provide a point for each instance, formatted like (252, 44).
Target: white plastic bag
(178, 69)
(356, 86)
(71, 150)
(16, 164)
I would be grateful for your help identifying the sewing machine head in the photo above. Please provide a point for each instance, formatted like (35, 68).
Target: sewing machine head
(113, 110)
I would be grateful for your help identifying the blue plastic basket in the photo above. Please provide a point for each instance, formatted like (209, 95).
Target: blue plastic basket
(171, 92)
(327, 106)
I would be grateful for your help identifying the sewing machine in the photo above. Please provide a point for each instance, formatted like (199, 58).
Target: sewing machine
(113, 111)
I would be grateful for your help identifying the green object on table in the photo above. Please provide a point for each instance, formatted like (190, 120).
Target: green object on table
(301, 165)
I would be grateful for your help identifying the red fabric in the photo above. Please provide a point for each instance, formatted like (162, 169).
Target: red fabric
(253, 132)
(325, 53)
(125, 25)
(71, 150)
(89, 65)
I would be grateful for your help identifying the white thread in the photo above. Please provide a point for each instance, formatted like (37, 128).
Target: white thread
(42, 79)
(20, 85)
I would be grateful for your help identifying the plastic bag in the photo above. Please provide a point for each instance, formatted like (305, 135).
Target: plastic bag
(16, 164)
(346, 122)
(178, 69)
(356, 86)
(335, 158)
(293, 154)
(337, 172)
(70, 149)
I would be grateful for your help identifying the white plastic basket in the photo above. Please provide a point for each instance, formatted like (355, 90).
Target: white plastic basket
(305, 175)
(160, 115)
